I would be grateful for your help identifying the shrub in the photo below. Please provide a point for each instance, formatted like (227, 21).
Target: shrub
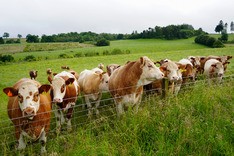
(26, 49)
(224, 36)
(79, 54)
(63, 56)
(128, 51)
(10, 41)
(210, 41)
(105, 52)
(17, 41)
(103, 42)
(89, 54)
(6, 58)
(218, 44)
(116, 51)
(1, 40)
(30, 58)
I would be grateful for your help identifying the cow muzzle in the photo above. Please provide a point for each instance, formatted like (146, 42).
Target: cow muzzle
(58, 100)
(29, 112)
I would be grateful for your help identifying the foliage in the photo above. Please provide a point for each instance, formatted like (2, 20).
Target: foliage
(208, 41)
(116, 51)
(30, 58)
(6, 35)
(6, 58)
(32, 38)
(219, 27)
(19, 36)
(103, 42)
(2, 40)
(218, 44)
(63, 56)
(224, 36)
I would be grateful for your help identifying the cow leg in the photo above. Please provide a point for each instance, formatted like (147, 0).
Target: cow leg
(43, 143)
(88, 105)
(22, 144)
(58, 121)
(177, 89)
(83, 101)
(69, 115)
(98, 104)
(119, 108)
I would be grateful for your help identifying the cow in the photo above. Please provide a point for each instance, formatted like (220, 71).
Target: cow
(163, 61)
(29, 108)
(172, 71)
(49, 71)
(195, 60)
(190, 71)
(101, 66)
(222, 59)
(214, 69)
(33, 74)
(92, 84)
(65, 90)
(110, 68)
(74, 73)
(126, 82)
(65, 67)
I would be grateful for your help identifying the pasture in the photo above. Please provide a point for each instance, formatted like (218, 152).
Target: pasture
(198, 121)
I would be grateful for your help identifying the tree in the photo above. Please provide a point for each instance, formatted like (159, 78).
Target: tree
(19, 36)
(103, 42)
(225, 26)
(6, 35)
(218, 28)
(1, 40)
(32, 38)
(232, 26)
(224, 36)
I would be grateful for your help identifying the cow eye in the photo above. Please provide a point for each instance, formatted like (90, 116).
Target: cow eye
(150, 66)
(106, 81)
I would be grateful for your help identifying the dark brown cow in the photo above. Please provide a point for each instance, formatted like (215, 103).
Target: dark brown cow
(33, 74)
(126, 83)
(29, 108)
(65, 90)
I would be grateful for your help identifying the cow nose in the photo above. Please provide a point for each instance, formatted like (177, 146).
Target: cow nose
(162, 75)
(220, 74)
(174, 77)
(57, 100)
(29, 112)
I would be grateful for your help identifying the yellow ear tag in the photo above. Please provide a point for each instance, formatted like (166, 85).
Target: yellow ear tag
(181, 70)
(195, 68)
(70, 85)
(44, 93)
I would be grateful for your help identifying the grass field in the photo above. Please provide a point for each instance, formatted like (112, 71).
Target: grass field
(196, 122)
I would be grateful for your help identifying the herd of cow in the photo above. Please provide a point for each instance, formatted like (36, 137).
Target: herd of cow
(30, 103)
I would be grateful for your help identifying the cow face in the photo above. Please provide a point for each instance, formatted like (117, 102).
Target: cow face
(59, 87)
(111, 68)
(172, 71)
(28, 97)
(217, 69)
(195, 60)
(149, 71)
(104, 85)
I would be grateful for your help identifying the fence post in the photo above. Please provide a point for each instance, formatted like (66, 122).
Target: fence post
(164, 87)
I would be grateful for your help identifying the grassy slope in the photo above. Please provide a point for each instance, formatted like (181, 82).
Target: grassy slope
(155, 49)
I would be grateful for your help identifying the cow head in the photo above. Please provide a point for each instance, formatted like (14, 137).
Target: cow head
(225, 65)
(104, 78)
(163, 61)
(101, 66)
(218, 69)
(172, 71)
(28, 97)
(149, 71)
(224, 58)
(59, 86)
(111, 68)
(195, 60)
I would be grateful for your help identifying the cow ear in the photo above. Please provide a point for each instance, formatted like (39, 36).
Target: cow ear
(158, 62)
(55, 74)
(229, 57)
(44, 88)
(72, 72)
(193, 58)
(118, 66)
(69, 81)
(226, 63)
(10, 91)
(202, 58)
(101, 75)
(213, 65)
(181, 66)
(219, 59)
(162, 69)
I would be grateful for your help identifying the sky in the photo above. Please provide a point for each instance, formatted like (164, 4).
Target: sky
(38, 17)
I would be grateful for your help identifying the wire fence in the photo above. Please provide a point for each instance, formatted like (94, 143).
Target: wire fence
(107, 110)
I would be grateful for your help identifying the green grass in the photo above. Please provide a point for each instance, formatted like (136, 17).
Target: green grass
(197, 122)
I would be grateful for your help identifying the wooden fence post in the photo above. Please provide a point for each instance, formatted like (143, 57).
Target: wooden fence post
(164, 88)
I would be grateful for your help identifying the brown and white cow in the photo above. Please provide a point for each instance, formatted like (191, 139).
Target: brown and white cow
(29, 108)
(65, 67)
(65, 90)
(33, 74)
(214, 68)
(49, 71)
(101, 66)
(92, 84)
(110, 68)
(222, 59)
(190, 71)
(126, 82)
(163, 61)
(172, 71)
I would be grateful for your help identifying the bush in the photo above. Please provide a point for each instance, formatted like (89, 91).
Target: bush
(79, 54)
(1, 40)
(17, 41)
(30, 58)
(6, 58)
(89, 54)
(103, 42)
(63, 56)
(218, 44)
(210, 41)
(10, 41)
(224, 36)
(116, 51)
(105, 52)
(26, 49)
